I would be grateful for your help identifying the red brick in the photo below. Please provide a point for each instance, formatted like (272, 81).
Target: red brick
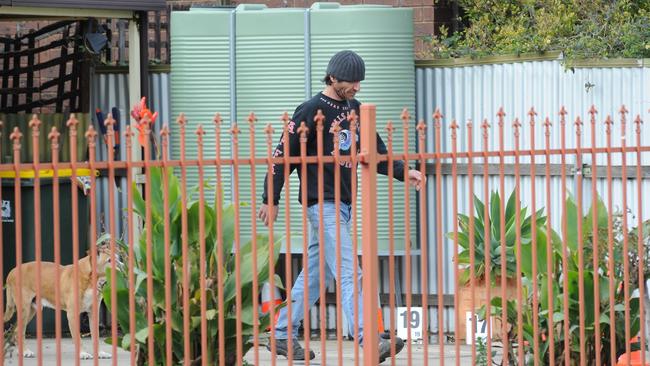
(417, 15)
(427, 13)
(414, 3)
(423, 29)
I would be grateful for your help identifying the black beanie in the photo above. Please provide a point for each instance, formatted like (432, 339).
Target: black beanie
(347, 66)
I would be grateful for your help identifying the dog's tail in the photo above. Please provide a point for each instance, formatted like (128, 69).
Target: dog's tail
(10, 309)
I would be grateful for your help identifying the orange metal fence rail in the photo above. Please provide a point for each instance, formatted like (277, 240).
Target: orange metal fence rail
(185, 285)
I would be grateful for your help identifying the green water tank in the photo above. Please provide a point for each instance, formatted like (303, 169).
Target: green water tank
(268, 61)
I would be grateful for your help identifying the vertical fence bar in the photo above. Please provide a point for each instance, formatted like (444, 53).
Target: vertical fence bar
(235, 131)
(220, 254)
(91, 136)
(405, 117)
(149, 240)
(520, 319)
(594, 232)
(369, 223)
(303, 131)
(287, 231)
(54, 146)
(533, 232)
(336, 129)
(251, 130)
(550, 281)
(454, 175)
(472, 251)
(35, 125)
(20, 334)
(353, 119)
(439, 251)
(184, 243)
(565, 252)
(640, 235)
(164, 137)
(269, 132)
(487, 240)
(502, 239)
(581, 259)
(321, 231)
(110, 133)
(626, 259)
(128, 136)
(73, 320)
(424, 246)
(205, 353)
(391, 241)
(610, 243)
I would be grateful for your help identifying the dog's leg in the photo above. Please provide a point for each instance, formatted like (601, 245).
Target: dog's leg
(28, 314)
(74, 332)
(10, 307)
(94, 334)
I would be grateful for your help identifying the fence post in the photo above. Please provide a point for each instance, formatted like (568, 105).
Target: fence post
(368, 158)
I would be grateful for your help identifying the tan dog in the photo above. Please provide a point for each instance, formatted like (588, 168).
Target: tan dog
(27, 292)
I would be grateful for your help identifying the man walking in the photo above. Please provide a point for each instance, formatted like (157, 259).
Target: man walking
(344, 74)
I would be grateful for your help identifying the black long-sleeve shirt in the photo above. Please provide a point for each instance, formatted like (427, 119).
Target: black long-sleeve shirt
(336, 113)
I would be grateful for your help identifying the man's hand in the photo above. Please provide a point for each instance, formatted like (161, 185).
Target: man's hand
(417, 179)
(267, 213)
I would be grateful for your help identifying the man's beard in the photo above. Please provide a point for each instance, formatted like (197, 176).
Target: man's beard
(340, 92)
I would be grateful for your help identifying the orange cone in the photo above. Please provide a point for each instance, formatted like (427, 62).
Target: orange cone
(635, 357)
(267, 302)
(380, 319)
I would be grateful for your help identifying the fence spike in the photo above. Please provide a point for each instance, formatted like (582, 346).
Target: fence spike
(128, 135)
(72, 122)
(34, 124)
(516, 125)
(547, 126)
(485, 126)
(319, 119)
(638, 122)
(199, 133)
(437, 114)
(252, 118)
(181, 120)
(405, 116)
(15, 137)
(91, 135)
(217, 119)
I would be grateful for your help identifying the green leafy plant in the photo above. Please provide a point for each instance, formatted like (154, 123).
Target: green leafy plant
(494, 222)
(229, 290)
(589, 273)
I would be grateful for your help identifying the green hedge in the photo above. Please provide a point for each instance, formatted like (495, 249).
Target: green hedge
(580, 29)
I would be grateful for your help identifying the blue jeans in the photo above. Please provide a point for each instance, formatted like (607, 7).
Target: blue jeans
(347, 270)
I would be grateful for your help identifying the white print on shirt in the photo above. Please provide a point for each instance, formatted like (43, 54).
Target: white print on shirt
(276, 153)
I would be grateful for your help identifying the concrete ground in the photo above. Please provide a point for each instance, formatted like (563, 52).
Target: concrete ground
(401, 359)
(123, 357)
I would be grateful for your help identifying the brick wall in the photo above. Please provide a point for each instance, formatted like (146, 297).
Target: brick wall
(422, 13)
(13, 29)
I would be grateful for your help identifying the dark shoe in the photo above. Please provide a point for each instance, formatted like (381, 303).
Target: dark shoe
(282, 348)
(384, 347)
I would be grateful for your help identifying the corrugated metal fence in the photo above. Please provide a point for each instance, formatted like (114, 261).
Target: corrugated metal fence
(475, 90)
(109, 89)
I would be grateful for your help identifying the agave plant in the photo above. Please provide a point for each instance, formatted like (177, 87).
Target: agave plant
(228, 287)
(494, 222)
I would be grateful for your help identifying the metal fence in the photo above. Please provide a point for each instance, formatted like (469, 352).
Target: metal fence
(186, 285)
